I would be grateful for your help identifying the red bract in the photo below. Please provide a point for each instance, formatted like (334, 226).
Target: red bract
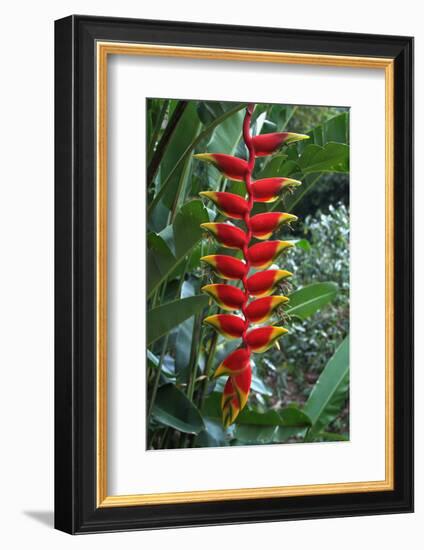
(234, 396)
(230, 326)
(268, 189)
(229, 204)
(234, 363)
(261, 339)
(267, 144)
(233, 168)
(237, 365)
(263, 225)
(227, 234)
(226, 267)
(264, 254)
(264, 282)
(226, 296)
(260, 310)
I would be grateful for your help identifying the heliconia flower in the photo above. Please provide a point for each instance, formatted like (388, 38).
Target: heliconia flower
(233, 168)
(260, 310)
(267, 144)
(263, 283)
(261, 339)
(235, 394)
(229, 204)
(226, 296)
(226, 234)
(263, 225)
(234, 364)
(262, 255)
(268, 189)
(230, 326)
(226, 267)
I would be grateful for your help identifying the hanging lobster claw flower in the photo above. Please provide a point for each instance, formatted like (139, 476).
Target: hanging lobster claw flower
(226, 296)
(263, 283)
(262, 255)
(260, 310)
(268, 189)
(229, 326)
(226, 267)
(231, 167)
(261, 339)
(229, 204)
(263, 225)
(226, 234)
(234, 364)
(267, 144)
(235, 394)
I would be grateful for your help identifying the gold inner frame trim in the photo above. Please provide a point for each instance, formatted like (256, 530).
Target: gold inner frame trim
(104, 49)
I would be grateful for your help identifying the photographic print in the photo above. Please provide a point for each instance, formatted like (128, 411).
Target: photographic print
(248, 274)
(212, 274)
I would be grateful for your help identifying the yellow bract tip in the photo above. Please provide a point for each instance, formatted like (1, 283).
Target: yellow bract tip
(211, 320)
(207, 225)
(208, 194)
(291, 182)
(279, 300)
(278, 331)
(292, 137)
(207, 157)
(208, 259)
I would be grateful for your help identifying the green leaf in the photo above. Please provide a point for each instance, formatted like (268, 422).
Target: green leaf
(188, 151)
(335, 129)
(333, 157)
(172, 408)
(184, 133)
(288, 417)
(208, 111)
(260, 387)
(167, 249)
(308, 300)
(226, 136)
(260, 435)
(304, 244)
(330, 156)
(332, 436)
(183, 339)
(164, 318)
(160, 261)
(330, 391)
(212, 436)
(187, 230)
(293, 416)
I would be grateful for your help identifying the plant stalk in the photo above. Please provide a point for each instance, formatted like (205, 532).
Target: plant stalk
(166, 136)
(157, 128)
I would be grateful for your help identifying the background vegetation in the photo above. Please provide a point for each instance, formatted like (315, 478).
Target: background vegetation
(299, 392)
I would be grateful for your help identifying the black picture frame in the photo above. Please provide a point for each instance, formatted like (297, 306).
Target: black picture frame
(76, 508)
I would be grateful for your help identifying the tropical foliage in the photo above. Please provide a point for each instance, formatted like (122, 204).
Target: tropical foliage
(183, 399)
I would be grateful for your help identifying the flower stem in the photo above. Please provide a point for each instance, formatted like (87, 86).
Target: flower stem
(248, 181)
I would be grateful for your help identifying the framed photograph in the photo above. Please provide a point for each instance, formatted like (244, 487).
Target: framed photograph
(234, 274)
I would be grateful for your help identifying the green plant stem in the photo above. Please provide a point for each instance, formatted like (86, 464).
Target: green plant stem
(197, 328)
(157, 128)
(187, 152)
(156, 380)
(162, 356)
(211, 355)
(192, 369)
(166, 136)
(180, 190)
